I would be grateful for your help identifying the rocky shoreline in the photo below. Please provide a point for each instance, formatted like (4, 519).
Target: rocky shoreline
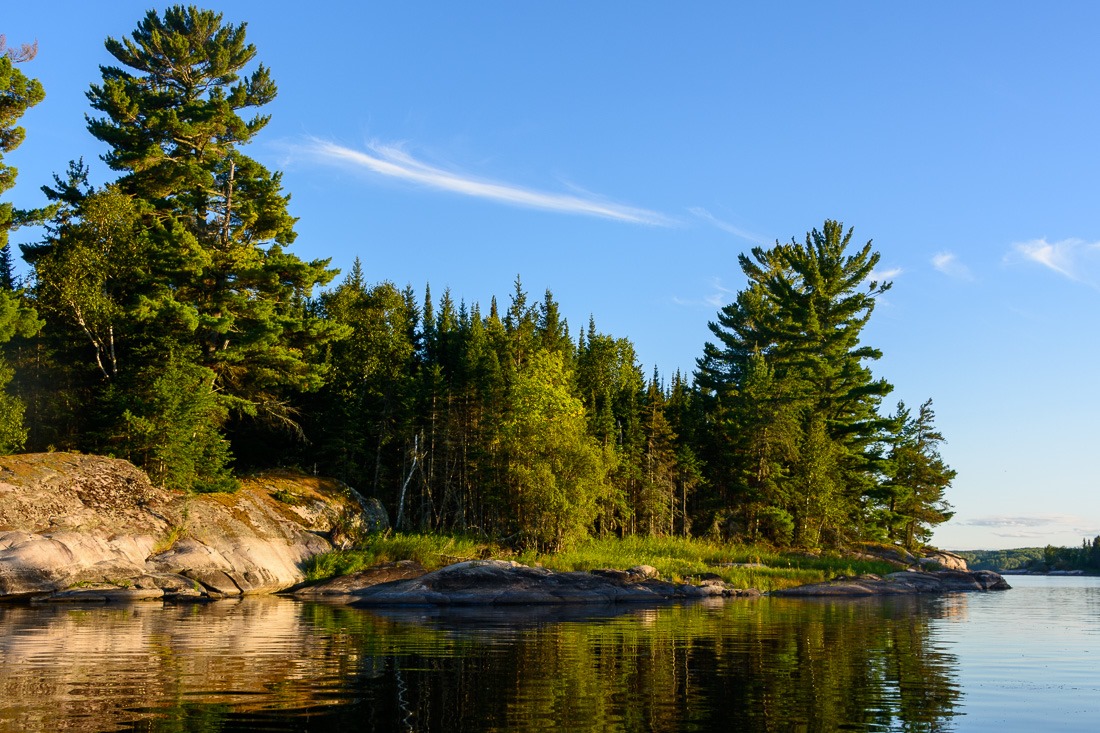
(86, 528)
(908, 582)
(76, 528)
(506, 583)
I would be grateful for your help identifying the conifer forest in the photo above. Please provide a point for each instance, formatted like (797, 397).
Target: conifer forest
(163, 318)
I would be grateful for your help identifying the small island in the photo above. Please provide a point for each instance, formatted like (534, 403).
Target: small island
(165, 321)
(77, 528)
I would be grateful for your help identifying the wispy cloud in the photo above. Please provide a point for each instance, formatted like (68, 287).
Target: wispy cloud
(948, 263)
(1035, 526)
(394, 162)
(1075, 259)
(725, 226)
(717, 296)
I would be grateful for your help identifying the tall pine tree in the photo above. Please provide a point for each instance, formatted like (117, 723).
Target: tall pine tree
(803, 313)
(210, 282)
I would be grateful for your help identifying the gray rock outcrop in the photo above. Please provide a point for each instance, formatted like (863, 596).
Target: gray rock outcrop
(499, 582)
(946, 560)
(929, 559)
(77, 527)
(903, 583)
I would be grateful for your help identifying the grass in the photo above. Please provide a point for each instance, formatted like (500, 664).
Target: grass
(165, 543)
(677, 559)
(430, 550)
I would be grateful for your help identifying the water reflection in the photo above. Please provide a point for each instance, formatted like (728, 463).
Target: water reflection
(276, 664)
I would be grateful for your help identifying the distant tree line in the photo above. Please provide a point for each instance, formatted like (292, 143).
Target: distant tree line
(1014, 559)
(1086, 557)
(1039, 559)
(165, 321)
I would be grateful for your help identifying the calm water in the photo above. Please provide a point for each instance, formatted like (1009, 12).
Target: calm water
(1023, 660)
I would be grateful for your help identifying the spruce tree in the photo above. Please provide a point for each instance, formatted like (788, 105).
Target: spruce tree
(657, 500)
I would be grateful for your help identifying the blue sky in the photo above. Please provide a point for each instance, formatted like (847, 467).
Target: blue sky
(623, 155)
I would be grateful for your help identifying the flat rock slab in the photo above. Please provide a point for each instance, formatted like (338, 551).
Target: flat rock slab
(358, 583)
(504, 583)
(903, 583)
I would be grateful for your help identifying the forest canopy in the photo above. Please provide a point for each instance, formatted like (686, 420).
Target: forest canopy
(165, 319)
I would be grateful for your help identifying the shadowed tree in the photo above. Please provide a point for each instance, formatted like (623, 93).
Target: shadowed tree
(18, 93)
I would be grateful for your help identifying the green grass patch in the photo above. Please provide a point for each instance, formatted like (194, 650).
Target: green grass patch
(677, 559)
(430, 550)
(680, 559)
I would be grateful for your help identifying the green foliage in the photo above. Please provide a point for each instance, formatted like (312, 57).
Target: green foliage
(178, 270)
(369, 374)
(171, 419)
(240, 298)
(796, 423)
(13, 435)
(776, 525)
(555, 471)
(180, 332)
(1001, 559)
(1038, 559)
(18, 93)
(677, 559)
(16, 320)
(432, 551)
(917, 478)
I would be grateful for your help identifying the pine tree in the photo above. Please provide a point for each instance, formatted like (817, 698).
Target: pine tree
(17, 94)
(218, 273)
(802, 314)
(184, 256)
(918, 478)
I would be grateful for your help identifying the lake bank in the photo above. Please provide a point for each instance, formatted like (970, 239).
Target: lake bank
(85, 528)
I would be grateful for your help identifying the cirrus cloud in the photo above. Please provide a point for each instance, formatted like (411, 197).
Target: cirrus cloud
(1035, 526)
(948, 263)
(725, 226)
(1074, 259)
(394, 162)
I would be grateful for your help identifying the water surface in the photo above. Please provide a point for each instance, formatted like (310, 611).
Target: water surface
(1022, 660)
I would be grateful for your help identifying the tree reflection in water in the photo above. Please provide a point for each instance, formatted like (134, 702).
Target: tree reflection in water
(763, 665)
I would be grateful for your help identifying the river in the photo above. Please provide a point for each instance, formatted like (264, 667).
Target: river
(1021, 660)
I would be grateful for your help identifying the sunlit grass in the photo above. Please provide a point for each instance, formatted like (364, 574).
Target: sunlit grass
(430, 550)
(677, 559)
(680, 559)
